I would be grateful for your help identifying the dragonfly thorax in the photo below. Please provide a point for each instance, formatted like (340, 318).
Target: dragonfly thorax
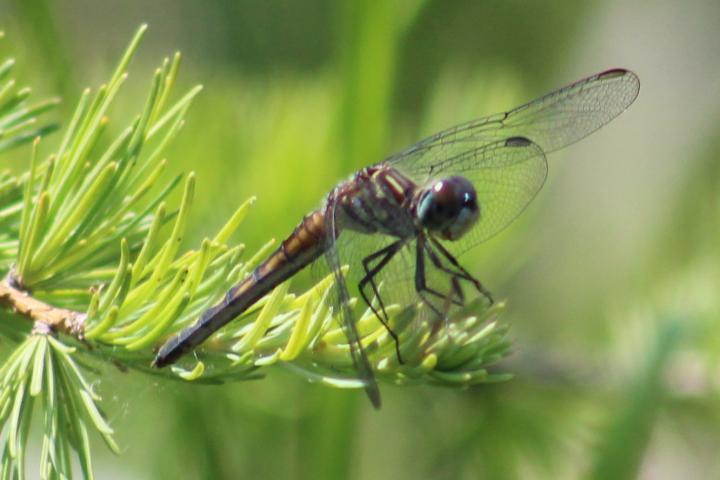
(448, 207)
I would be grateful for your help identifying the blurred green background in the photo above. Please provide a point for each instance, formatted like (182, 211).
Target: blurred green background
(612, 276)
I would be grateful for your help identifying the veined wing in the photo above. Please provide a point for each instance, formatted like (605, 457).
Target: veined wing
(342, 305)
(507, 175)
(552, 122)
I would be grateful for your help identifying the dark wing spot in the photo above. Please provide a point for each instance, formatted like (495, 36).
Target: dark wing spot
(517, 142)
(613, 73)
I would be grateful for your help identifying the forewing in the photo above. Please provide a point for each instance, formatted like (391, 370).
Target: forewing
(552, 122)
(506, 175)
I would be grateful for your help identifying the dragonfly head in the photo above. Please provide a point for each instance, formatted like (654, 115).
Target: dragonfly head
(448, 207)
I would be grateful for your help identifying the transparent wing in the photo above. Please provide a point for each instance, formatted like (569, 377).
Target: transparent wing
(342, 303)
(552, 122)
(435, 300)
(395, 282)
(506, 175)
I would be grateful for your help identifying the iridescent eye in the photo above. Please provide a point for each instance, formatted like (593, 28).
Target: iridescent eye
(448, 207)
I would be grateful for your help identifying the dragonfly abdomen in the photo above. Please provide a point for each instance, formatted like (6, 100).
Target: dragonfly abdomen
(303, 246)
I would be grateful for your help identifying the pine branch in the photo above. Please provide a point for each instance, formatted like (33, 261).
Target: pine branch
(100, 273)
(42, 314)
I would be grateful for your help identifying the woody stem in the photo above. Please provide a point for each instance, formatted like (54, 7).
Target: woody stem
(45, 317)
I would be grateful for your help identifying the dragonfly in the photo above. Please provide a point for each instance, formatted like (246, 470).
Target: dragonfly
(407, 218)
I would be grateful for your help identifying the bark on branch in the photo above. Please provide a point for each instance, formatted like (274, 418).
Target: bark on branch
(43, 315)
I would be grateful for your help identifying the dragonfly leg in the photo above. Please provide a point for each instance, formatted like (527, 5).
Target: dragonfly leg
(454, 284)
(370, 273)
(420, 281)
(462, 272)
(454, 276)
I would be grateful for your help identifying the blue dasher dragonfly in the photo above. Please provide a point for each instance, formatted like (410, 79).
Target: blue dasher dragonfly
(405, 220)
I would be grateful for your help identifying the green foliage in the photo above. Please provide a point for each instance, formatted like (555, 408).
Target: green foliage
(626, 438)
(18, 118)
(43, 371)
(86, 196)
(19, 124)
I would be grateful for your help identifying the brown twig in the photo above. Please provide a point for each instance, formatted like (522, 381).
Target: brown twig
(43, 315)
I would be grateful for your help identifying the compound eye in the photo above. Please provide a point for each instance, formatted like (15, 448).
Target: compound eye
(449, 207)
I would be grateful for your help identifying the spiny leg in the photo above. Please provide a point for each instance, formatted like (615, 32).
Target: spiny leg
(388, 252)
(463, 273)
(458, 290)
(371, 271)
(454, 284)
(420, 283)
(454, 276)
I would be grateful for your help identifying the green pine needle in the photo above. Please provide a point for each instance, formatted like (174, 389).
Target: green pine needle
(19, 124)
